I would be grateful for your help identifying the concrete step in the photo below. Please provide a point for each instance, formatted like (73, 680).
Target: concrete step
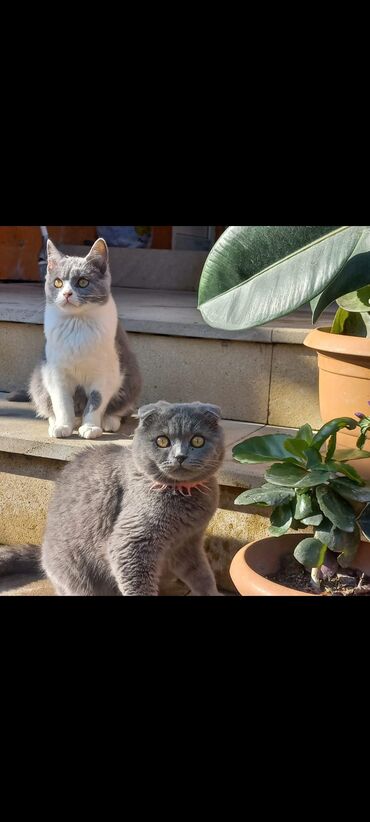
(30, 461)
(265, 374)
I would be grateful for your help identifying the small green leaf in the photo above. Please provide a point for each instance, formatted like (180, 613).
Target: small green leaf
(304, 506)
(364, 522)
(262, 449)
(297, 525)
(296, 447)
(347, 489)
(358, 301)
(310, 553)
(345, 544)
(361, 440)
(313, 478)
(305, 433)
(347, 470)
(351, 324)
(281, 520)
(315, 520)
(345, 454)
(314, 459)
(285, 474)
(265, 495)
(332, 427)
(324, 533)
(364, 426)
(336, 508)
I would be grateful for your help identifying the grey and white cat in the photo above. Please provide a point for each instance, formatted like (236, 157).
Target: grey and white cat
(90, 378)
(118, 514)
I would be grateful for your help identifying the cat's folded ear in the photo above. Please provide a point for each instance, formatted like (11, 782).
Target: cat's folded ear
(148, 410)
(99, 254)
(214, 410)
(54, 256)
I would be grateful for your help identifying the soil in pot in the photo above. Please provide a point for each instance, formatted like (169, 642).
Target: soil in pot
(347, 582)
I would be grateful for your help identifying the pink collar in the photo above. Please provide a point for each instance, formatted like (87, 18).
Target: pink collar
(183, 488)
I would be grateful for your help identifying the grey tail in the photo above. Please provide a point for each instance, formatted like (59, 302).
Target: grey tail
(18, 396)
(19, 559)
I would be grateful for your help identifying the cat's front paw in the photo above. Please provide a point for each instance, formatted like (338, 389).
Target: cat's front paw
(90, 432)
(60, 431)
(111, 423)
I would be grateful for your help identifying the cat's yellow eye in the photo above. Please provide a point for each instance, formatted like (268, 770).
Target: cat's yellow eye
(197, 442)
(83, 282)
(58, 283)
(163, 442)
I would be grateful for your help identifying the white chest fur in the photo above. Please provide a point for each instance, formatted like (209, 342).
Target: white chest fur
(82, 345)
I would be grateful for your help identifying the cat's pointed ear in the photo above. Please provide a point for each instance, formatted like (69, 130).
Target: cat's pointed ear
(99, 253)
(54, 256)
(99, 249)
(147, 410)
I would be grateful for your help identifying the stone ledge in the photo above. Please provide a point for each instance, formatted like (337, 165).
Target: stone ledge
(164, 312)
(21, 433)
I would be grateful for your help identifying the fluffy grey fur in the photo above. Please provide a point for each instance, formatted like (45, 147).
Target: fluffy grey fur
(79, 353)
(118, 513)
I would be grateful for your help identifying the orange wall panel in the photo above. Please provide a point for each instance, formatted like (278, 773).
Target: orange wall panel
(20, 247)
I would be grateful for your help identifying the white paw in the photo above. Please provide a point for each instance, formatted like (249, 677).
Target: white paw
(90, 432)
(59, 431)
(111, 423)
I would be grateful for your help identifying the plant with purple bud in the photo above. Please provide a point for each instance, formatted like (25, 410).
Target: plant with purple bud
(364, 426)
(307, 487)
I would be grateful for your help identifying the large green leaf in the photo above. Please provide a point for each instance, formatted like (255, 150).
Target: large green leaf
(262, 449)
(281, 520)
(351, 491)
(281, 474)
(249, 279)
(310, 553)
(353, 274)
(335, 508)
(265, 495)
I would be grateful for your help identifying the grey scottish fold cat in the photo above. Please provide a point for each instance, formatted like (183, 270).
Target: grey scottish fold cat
(118, 514)
(90, 378)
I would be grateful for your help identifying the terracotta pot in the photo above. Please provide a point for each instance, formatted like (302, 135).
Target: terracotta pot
(344, 383)
(263, 557)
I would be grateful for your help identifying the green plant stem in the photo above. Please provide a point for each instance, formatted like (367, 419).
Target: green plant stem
(315, 579)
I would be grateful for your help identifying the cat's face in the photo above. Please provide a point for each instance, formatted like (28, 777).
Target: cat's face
(74, 284)
(182, 442)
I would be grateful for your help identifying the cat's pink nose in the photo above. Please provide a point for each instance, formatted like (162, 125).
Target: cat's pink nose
(67, 294)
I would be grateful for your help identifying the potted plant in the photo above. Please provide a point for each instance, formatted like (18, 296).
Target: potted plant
(255, 274)
(308, 485)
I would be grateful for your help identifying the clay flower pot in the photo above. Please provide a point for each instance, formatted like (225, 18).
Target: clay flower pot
(344, 383)
(263, 557)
